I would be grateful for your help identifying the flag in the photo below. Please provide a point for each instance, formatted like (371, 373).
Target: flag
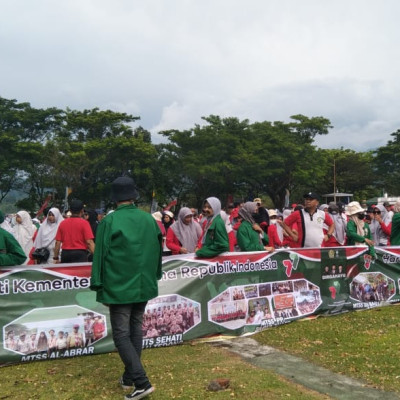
(44, 205)
(68, 191)
(170, 205)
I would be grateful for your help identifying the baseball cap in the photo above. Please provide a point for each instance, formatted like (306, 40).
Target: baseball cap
(311, 195)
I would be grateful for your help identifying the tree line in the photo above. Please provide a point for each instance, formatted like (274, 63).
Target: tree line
(43, 151)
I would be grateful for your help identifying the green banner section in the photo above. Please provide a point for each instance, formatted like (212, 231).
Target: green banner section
(49, 312)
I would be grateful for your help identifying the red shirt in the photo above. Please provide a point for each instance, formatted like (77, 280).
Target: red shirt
(296, 217)
(173, 242)
(273, 236)
(73, 233)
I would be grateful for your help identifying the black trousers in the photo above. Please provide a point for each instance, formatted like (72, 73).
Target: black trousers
(71, 256)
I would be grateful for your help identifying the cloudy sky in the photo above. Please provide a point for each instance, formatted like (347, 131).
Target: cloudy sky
(170, 62)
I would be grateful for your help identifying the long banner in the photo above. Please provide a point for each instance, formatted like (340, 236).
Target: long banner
(49, 312)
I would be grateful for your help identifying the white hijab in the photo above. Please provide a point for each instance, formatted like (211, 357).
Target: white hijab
(24, 232)
(215, 204)
(47, 231)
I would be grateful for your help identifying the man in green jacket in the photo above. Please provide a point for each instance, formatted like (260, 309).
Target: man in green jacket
(215, 237)
(11, 252)
(125, 271)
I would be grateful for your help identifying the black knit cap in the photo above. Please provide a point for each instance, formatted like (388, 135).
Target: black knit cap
(123, 188)
(76, 205)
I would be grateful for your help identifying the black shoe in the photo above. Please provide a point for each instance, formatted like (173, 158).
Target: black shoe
(124, 384)
(140, 393)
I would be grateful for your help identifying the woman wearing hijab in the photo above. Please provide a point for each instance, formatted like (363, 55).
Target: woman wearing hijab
(338, 237)
(167, 219)
(215, 237)
(183, 235)
(23, 231)
(380, 225)
(358, 231)
(250, 236)
(47, 232)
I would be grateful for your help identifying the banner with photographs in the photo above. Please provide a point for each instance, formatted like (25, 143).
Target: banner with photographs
(49, 312)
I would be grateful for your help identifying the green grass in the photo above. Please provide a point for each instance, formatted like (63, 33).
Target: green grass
(180, 372)
(363, 345)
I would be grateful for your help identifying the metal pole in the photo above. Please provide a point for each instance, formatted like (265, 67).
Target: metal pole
(334, 180)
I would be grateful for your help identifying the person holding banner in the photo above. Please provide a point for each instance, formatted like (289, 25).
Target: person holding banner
(46, 236)
(358, 231)
(125, 273)
(215, 239)
(183, 235)
(310, 223)
(24, 232)
(11, 252)
(250, 236)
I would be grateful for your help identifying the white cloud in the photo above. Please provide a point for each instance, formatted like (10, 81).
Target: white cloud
(173, 62)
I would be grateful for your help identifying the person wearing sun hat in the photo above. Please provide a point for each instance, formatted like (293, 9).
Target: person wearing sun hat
(358, 232)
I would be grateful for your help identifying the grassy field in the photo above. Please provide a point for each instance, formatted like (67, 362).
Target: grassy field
(180, 372)
(362, 344)
(359, 344)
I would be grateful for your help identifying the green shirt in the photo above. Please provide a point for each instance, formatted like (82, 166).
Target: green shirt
(11, 252)
(127, 257)
(395, 233)
(216, 240)
(353, 237)
(248, 239)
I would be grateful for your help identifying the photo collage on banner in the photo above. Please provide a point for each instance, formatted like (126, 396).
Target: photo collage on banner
(42, 334)
(167, 318)
(264, 304)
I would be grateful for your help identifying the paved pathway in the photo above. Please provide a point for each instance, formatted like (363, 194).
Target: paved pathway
(302, 372)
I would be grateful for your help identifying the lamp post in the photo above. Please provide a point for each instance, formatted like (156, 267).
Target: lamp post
(334, 180)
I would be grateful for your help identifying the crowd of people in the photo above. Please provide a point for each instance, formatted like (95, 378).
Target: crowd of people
(251, 227)
(129, 243)
(26, 240)
(169, 320)
(247, 226)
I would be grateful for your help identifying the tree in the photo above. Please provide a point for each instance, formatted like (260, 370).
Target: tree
(87, 125)
(227, 156)
(352, 172)
(387, 165)
(94, 147)
(23, 129)
(203, 160)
